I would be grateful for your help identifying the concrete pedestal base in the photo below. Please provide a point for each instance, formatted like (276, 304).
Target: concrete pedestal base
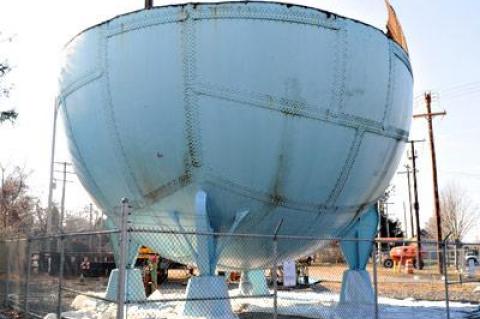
(357, 288)
(215, 291)
(134, 285)
(253, 283)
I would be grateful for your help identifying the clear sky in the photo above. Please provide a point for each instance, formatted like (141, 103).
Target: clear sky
(443, 38)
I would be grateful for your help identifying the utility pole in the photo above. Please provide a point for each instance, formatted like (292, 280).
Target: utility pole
(148, 4)
(90, 237)
(52, 163)
(90, 211)
(100, 236)
(416, 206)
(62, 205)
(385, 210)
(4, 208)
(409, 185)
(64, 186)
(429, 116)
(384, 207)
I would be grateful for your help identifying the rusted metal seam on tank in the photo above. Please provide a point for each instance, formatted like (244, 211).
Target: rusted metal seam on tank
(81, 82)
(390, 84)
(345, 173)
(223, 13)
(168, 188)
(339, 70)
(391, 157)
(317, 19)
(90, 75)
(136, 24)
(281, 172)
(264, 197)
(275, 18)
(233, 187)
(68, 127)
(126, 170)
(190, 99)
(308, 111)
(172, 7)
(401, 55)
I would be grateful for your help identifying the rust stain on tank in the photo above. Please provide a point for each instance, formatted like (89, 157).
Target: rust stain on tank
(276, 197)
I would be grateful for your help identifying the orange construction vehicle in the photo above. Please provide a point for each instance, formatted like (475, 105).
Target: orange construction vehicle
(401, 255)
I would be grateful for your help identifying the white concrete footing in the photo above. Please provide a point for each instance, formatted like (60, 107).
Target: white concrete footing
(253, 283)
(215, 292)
(135, 291)
(357, 288)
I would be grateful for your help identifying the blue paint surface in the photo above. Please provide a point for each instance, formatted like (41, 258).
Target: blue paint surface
(274, 111)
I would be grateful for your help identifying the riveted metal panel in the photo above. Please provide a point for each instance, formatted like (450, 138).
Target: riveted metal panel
(400, 114)
(303, 58)
(314, 159)
(90, 144)
(367, 73)
(146, 91)
(83, 61)
(373, 167)
(248, 148)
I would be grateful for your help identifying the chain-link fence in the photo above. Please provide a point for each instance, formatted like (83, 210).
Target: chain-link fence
(117, 273)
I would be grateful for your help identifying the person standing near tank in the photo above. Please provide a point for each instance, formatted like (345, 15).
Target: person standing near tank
(84, 268)
(153, 272)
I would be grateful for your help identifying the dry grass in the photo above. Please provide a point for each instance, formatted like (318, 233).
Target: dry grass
(424, 284)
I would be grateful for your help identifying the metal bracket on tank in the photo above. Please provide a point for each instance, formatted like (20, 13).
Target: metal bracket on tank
(357, 250)
(239, 217)
(205, 243)
(176, 220)
(205, 248)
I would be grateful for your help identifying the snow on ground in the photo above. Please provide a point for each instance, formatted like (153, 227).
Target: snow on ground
(319, 305)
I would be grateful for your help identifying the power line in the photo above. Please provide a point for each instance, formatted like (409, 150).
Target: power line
(451, 92)
(459, 86)
(474, 175)
(461, 94)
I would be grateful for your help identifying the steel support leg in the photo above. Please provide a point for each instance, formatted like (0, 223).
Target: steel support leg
(207, 295)
(357, 288)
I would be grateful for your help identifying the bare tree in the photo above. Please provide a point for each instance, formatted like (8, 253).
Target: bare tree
(6, 113)
(20, 211)
(76, 221)
(459, 214)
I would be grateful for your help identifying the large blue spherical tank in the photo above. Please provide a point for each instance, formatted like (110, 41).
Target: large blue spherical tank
(276, 112)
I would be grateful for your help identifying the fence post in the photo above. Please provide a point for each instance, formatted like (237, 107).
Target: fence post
(27, 279)
(274, 277)
(123, 261)
(375, 279)
(445, 273)
(7, 276)
(274, 274)
(60, 275)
